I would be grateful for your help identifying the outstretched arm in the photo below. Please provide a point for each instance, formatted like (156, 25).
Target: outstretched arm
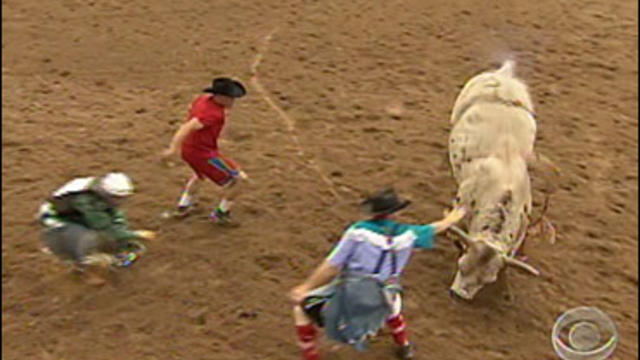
(121, 226)
(426, 233)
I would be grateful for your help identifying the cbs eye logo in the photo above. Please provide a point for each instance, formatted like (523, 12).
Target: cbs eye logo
(584, 333)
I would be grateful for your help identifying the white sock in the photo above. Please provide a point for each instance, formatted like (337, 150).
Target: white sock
(185, 199)
(224, 206)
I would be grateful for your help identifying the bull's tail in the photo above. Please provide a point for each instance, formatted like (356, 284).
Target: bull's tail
(508, 68)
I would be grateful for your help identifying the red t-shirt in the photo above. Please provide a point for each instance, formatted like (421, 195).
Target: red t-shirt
(204, 142)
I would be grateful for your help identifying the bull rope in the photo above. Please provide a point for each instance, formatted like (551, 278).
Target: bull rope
(288, 120)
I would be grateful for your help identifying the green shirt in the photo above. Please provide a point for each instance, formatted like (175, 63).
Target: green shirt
(94, 212)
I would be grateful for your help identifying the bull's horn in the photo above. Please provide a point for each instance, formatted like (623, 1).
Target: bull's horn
(521, 264)
(462, 234)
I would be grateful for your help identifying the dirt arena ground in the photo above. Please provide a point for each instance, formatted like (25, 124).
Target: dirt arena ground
(358, 96)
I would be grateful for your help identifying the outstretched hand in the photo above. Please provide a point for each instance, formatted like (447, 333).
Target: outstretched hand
(456, 214)
(165, 156)
(450, 218)
(298, 294)
(167, 153)
(146, 234)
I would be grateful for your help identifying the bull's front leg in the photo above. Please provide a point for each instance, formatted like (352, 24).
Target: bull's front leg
(543, 225)
(548, 229)
(550, 173)
(509, 295)
(518, 248)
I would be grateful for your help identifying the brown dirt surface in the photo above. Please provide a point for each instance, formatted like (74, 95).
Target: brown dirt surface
(359, 96)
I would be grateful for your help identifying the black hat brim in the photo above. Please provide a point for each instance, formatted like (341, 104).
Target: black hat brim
(400, 206)
(232, 89)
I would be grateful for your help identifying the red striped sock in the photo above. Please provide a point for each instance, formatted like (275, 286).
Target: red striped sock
(307, 341)
(398, 329)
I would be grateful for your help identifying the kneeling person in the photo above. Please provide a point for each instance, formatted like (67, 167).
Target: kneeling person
(84, 225)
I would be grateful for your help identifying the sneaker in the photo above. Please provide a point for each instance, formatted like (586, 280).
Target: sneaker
(182, 211)
(221, 218)
(406, 352)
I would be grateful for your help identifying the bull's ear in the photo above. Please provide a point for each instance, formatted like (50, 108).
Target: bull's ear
(517, 263)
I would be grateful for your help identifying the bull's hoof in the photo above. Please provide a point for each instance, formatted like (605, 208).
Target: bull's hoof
(549, 230)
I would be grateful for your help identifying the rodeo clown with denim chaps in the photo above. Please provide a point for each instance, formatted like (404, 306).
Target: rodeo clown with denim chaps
(356, 289)
(84, 225)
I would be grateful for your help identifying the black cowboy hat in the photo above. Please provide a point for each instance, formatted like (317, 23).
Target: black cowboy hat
(383, 202)
(226, 86)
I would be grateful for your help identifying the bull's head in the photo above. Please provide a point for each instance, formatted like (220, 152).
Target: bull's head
(479, 264)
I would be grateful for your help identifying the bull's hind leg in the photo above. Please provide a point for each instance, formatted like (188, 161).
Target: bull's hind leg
(518, 249)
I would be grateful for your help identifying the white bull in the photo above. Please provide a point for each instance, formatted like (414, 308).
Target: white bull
(491, 142)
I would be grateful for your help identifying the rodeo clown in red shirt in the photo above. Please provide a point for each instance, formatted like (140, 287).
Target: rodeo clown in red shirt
(197, 139)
